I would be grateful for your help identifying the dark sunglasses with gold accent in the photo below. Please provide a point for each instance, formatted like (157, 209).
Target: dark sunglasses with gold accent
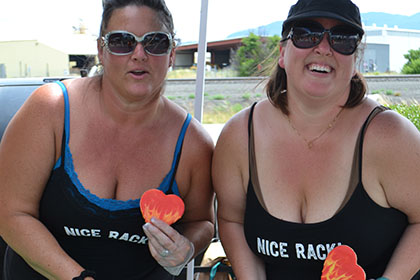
(307, 34)
(119, 42)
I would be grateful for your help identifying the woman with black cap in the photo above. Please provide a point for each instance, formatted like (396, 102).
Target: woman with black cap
(318, 164)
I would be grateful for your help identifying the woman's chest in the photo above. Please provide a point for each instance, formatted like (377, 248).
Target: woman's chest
(122, 170)
(301, 187)
(294, 246)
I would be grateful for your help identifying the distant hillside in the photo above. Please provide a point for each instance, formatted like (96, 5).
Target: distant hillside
(368, 19)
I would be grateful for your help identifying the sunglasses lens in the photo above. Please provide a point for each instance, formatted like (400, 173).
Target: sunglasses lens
(304, 38)
(121, 43)
(344, 40)
(154, 43)
(157, 43)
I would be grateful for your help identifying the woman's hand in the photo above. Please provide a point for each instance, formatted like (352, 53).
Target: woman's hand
(167, 246)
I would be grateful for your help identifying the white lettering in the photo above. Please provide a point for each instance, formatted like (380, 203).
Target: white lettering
(260, 246)
(134, 238)
(283, 250)
(272, 248)
(143, 240)
(96, 232)
(266, 247)
(311, 252)
(300, 251)
(321, 255)
(113, 234)
(273, 251)
(82, 232)
(85, 232)
(69, 231)
(124, 237)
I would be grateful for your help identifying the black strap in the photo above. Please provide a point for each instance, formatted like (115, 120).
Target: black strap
(252, 162)
(373, 114)
(356, 169)
(178, 157)
(171, 185)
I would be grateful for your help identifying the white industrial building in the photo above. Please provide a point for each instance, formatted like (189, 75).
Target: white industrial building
(38, 58)
(386, 47)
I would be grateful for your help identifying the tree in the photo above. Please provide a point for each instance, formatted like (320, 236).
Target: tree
(413, 64)
(255, 54)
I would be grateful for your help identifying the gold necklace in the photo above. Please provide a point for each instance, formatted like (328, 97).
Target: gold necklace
(310, 143)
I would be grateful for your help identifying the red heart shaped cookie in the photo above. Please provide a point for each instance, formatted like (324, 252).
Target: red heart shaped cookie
(155, 203)
(341, 263)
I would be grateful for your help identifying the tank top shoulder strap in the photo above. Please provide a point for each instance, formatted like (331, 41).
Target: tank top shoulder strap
(66, 130)
(252, 163)
(375, 111)
(177, 156)
(356, 170)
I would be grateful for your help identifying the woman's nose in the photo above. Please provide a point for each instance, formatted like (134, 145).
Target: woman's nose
(139, 52)
(324, 47)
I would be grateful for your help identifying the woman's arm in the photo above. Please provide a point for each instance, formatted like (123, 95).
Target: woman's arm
(196, 228)
(27, 155)
(197, 224)
(396, 157)
(230, 179)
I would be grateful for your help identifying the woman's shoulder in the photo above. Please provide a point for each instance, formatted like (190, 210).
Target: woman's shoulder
(47, 95)
(238, 124)
(45, 102)
(237, 127)
(196, 137)
(390, 135)
(389, 125)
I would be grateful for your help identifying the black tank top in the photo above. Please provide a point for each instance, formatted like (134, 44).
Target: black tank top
(297, 251)
(103, 235)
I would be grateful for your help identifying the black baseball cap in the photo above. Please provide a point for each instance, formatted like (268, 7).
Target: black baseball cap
(342, 10)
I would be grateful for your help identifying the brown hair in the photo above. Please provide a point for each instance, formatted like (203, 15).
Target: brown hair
(163, 13)
(276, 89)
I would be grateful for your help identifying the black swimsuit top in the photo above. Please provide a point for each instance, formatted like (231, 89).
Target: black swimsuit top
(103, 235)
(297, 251)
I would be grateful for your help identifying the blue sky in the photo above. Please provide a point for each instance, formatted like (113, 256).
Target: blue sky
(29, 19)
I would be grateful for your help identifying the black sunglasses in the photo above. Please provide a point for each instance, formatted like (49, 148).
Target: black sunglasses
(308, 34)
(156, 43)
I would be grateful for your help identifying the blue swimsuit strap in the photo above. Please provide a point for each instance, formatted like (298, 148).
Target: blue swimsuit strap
(66, 131)
(66, 111)
(173, 188)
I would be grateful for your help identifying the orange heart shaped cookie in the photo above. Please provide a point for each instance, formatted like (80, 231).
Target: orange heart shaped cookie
(341, 263)
(155, 203)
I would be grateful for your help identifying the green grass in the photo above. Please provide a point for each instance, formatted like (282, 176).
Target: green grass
(217, 97)
(222, 113)
(246, 96)
(385, 92)
(411, 112)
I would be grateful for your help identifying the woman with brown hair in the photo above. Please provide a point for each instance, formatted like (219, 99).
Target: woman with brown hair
(318, 164)
(78, 155)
